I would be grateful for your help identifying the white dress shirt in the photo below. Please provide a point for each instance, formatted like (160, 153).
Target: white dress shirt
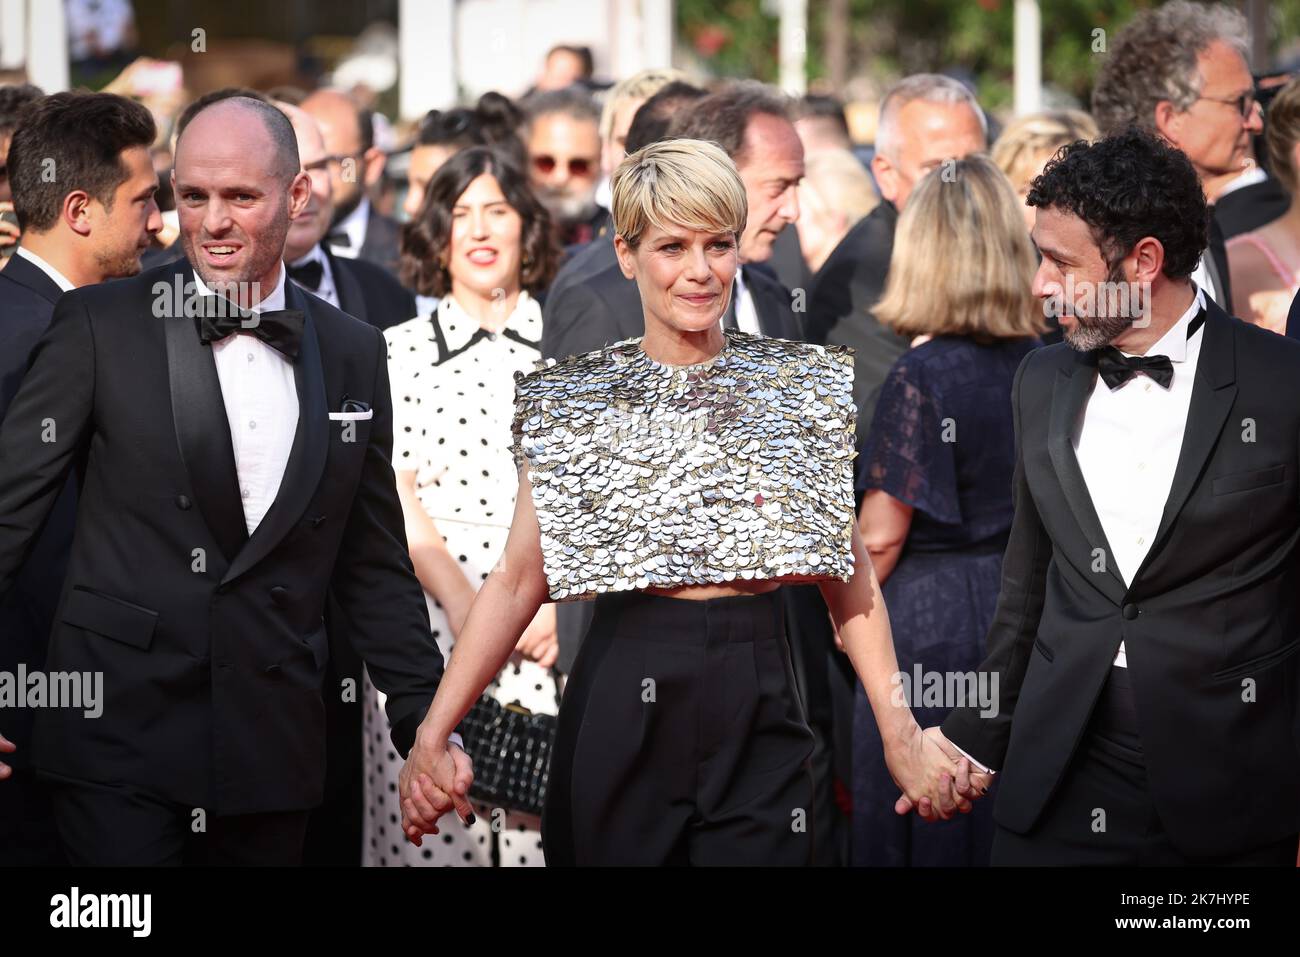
(1127, 443)
(261, 398)
(327, 289)
(60, 280)
(746, 314)
(354, 226)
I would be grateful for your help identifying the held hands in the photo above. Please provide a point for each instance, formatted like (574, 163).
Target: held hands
(435, 778)
(935, 778)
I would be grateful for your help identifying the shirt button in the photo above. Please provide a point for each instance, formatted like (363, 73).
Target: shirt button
(1141, 539)
(1141, 466)
(250, 357)
(1147, 387)
(245, 493)
(252, 424)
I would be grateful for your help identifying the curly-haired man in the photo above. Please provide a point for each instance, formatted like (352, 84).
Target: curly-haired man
(1145, 637)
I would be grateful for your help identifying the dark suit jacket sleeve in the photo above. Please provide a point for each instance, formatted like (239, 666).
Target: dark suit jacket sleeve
(44, 431)
(1015, 623)
(572, 323)
(375, 585)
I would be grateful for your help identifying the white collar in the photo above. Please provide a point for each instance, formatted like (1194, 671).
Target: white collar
(355, 223)
(1248, 177)
(60, 280)
(1174, 342)
(268, 304)
(312, 255)
(458, 326)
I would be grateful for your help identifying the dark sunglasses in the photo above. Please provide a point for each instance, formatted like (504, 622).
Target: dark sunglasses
(577, 166)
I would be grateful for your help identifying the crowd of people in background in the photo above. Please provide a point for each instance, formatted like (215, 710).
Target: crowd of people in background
(493, 250)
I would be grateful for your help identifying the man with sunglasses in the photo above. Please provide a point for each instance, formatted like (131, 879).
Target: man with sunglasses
(563, 139)
(1182, 71)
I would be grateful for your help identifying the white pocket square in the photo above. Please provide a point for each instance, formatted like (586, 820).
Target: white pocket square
(352, 416)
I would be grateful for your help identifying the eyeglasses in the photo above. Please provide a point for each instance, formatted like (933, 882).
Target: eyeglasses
(1244, 104)
(578, 166)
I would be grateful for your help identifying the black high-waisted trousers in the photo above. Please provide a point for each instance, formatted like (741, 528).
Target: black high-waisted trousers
(681, 738)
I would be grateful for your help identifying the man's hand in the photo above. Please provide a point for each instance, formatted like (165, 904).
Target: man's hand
(968, 784)
(434, 779)
(6, 747)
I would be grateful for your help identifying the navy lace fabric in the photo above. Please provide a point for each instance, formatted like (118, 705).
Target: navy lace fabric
(942, 440)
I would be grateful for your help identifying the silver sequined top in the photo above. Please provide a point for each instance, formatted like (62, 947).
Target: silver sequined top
(646, 474)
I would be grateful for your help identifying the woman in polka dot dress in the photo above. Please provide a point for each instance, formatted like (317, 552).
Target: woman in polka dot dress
(482, 243)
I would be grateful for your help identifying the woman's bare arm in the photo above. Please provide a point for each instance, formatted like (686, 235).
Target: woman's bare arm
(883, 522)
(917, 764)
(435, 567)
(504, 607)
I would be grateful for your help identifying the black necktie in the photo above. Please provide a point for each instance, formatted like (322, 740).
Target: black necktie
(309, 274)
(1116, 368)
(281, 329)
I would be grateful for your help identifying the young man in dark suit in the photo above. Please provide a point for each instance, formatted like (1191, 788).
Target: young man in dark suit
(209, 535)
(88, 225)
(1145, 642)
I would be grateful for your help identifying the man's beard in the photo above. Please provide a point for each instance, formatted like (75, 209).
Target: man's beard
(118, 263)
(1094, 332)
(565, 207)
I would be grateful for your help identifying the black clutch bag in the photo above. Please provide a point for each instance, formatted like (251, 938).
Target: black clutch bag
(511, 750)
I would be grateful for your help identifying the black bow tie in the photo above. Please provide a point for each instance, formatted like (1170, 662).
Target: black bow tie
(1116, 368)
(309, 274)
(339, 237)
(281, 329)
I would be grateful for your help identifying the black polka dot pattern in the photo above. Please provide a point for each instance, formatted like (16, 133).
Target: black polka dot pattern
(459, 449)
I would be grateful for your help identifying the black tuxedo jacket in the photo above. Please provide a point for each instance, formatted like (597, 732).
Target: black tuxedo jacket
(1220, 278)
(605, 308)
(27, 298)
(211, 643)
(843, 293)
(1210, 618)
(382, 242)
(369, 292)
(1250, 207)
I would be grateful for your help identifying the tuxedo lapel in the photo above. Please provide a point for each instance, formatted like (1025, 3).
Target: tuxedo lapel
(202, 431)
(310, 443)
(347, 288)
(1070, 391)
(1213, 392)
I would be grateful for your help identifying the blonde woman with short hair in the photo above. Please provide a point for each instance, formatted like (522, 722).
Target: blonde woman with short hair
(680, 478)
(1029, 141)
(935, 470)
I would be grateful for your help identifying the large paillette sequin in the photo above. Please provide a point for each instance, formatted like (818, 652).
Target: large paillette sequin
(648, 475)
